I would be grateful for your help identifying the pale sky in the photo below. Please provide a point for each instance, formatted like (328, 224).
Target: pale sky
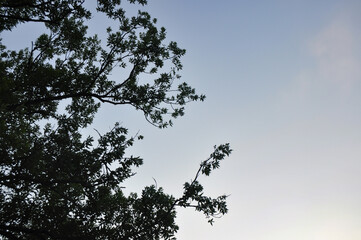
(283, 81)
(283, 86)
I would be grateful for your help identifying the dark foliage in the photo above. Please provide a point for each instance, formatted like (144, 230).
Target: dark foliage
(56, 183)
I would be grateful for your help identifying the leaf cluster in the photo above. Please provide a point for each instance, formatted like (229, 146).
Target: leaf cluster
(57, 183)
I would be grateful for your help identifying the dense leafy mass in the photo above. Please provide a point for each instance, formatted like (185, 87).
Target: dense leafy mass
(56, 183)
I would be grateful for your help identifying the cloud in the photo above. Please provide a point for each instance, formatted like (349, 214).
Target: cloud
(327, 86)
(332, 66)
(335, 50)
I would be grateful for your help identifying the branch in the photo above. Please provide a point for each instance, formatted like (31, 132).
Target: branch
(130, 77)
(22, 4)
(102, 98)
(26, 19)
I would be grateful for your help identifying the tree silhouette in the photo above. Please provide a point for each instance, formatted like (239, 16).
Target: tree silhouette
(59, 184)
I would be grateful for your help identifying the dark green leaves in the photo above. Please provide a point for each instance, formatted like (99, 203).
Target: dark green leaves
(56, 182)
(213, 161)
(193, 195)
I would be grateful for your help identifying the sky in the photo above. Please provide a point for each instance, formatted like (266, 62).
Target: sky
(283, 86)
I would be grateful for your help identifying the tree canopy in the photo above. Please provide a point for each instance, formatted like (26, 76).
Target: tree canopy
(57, 183)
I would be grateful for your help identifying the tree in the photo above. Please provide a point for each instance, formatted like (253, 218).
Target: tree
(57, 183)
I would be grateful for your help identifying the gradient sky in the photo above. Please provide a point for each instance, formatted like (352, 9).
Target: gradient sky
(283, 86)
(283, 81)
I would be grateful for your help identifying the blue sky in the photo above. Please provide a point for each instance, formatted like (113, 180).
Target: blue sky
(283, 86)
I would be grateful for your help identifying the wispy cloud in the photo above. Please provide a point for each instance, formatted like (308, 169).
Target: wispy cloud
(336, 50)
(333, 69)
